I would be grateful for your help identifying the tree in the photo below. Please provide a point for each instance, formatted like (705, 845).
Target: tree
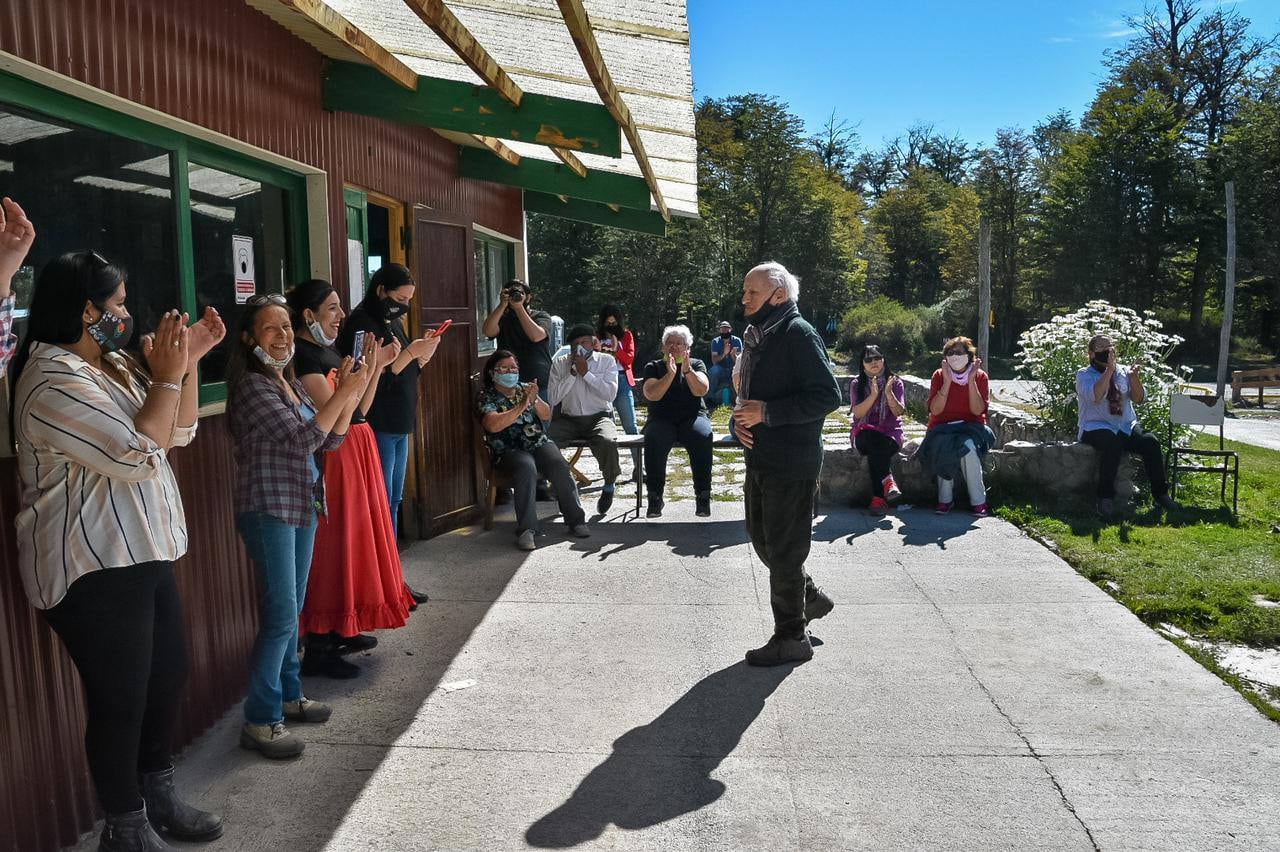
(1006, 182)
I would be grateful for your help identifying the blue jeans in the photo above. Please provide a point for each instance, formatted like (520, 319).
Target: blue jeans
(393, 450)
(625, 404)
(721, 379)
(282, 555)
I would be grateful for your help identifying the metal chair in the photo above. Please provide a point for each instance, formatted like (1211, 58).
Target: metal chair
(1202, 410)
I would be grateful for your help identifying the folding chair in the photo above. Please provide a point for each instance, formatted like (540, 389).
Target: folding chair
(1202, 410)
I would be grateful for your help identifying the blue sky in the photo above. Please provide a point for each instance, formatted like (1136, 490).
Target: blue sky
(968, 67)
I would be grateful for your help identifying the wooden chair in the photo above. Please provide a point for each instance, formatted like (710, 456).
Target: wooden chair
(494, 478)
(1202, 410)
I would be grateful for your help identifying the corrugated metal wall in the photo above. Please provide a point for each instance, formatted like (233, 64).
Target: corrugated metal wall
(226, 67)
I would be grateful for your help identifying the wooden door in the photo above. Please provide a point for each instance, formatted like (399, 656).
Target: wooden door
(444, 453)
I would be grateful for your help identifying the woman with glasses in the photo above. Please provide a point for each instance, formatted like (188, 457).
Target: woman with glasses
(957, 437)
(356, 582)
(394, 412)
(101, 524)
(279, 432)
(512, 415)
(877, 400)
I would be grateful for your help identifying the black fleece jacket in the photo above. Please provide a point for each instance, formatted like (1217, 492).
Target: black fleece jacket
(792, 376)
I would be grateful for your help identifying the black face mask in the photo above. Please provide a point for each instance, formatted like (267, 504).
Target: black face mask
(1100, 359)
(726, 334)
(393, 309)
(615, 330)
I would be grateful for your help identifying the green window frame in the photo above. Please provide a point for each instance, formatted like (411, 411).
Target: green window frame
(182, 149)
(484, 274)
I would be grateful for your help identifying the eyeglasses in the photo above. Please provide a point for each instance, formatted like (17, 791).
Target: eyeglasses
(266, 299)
(506, 369)
(872, 359)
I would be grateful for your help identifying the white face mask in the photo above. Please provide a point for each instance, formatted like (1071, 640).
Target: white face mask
(317, 333)
(958, 363)
(265, 357)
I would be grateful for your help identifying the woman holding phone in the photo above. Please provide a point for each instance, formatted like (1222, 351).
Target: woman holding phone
(394, 412)
(356, 581)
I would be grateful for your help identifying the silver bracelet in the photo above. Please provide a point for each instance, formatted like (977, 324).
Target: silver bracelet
(167, 386)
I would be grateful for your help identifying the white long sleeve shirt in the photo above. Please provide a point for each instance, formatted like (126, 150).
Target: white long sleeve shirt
(581, 395)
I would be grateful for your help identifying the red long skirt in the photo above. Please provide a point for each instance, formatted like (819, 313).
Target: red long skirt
(356, 583)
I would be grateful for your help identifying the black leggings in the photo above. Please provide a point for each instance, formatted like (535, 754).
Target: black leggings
(123, 629)
(879, 449)
(1111, 446)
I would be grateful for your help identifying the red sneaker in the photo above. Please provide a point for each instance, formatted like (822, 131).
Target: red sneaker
(879, 506)
(981, 511)
(891, 492)
(943, 508)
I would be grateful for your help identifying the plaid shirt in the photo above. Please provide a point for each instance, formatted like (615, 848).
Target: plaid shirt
(274, 446)
(8, 340)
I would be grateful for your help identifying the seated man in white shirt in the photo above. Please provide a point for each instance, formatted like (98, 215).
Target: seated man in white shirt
(583, 383)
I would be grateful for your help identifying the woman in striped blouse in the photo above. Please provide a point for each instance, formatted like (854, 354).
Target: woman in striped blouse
(101, 525)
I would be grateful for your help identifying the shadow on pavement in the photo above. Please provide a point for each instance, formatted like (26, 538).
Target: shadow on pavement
(698, 539)
(662, 770)
(848, 525)
(921, 528)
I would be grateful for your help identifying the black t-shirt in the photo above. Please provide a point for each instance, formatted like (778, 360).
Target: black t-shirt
(678, 403)
(534, 357)
(312, 358)
(395, 407)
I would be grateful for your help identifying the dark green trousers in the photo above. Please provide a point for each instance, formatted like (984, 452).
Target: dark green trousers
(780, 523)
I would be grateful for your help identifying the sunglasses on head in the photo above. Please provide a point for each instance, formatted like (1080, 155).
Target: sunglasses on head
(266, 299)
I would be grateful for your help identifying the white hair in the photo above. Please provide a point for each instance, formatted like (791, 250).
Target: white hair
(680, 331)
(779, 277)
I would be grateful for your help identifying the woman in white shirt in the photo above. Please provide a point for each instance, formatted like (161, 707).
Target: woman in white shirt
(101, 525)
(1106, 393)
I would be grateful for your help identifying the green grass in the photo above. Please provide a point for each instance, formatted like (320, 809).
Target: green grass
(1199, 568)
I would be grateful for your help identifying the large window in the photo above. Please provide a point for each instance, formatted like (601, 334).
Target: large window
(192, 223)
(495, 264)
(89, 190)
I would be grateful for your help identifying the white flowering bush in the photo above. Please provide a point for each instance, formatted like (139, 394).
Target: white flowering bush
(1052, 352)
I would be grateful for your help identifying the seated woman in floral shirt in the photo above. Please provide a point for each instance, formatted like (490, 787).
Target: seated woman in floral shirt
(512, 415)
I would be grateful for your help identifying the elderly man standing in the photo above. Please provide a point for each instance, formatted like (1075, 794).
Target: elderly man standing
(785, 391)
(583, 383)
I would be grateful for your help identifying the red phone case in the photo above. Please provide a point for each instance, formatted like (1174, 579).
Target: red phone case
(444, 326)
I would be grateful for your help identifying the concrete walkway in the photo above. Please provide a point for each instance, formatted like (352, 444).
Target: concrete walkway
(972, 691)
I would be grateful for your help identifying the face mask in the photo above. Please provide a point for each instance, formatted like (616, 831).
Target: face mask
(506, 380)
(958, 363)
(679, 359)
(726, 334)
(584, 352)
(318, 333)
(614, 330)
(1102, 357)
(393, 309)
(265, 357)
(111, 332)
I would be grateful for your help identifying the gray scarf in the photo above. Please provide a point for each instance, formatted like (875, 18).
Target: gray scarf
(765, 323)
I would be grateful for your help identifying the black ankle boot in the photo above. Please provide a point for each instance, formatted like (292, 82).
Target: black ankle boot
(703, 504)
(131, 833)
(169, 814)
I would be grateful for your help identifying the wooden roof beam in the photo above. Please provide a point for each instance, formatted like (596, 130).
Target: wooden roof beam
(495, 145)
(567, 157)
(435, 14)
(603, 187)
(584, 38)
(641, 221)
(333, 23)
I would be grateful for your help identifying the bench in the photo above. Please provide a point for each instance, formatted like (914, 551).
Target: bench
(1267, 377)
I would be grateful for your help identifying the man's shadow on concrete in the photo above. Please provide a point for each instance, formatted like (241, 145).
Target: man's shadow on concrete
(662, 770)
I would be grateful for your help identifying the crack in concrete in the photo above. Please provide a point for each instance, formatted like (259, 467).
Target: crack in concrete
(1026, 741)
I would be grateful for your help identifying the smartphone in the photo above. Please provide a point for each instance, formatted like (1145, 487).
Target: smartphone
(357, 351)
(444, 326)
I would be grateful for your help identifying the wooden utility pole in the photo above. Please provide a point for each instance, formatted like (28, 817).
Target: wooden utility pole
(984, 290)
(1229, 299)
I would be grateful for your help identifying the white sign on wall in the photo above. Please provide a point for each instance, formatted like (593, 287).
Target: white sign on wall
(242, 260)
(355, 271)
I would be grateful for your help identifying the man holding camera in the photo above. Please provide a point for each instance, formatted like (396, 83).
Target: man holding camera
(584, 383)
(523, 331)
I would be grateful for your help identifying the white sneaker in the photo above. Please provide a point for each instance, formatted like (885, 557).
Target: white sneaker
(524, 541)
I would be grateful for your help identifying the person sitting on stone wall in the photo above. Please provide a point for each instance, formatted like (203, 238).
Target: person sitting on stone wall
(957, 437)
(877, 401)
(675, 385)
(1107, 422)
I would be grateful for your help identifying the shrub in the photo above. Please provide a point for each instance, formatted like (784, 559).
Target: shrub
(1052, 352)
(896, 329)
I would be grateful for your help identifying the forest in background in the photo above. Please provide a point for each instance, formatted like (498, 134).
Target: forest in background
(1125, 204)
